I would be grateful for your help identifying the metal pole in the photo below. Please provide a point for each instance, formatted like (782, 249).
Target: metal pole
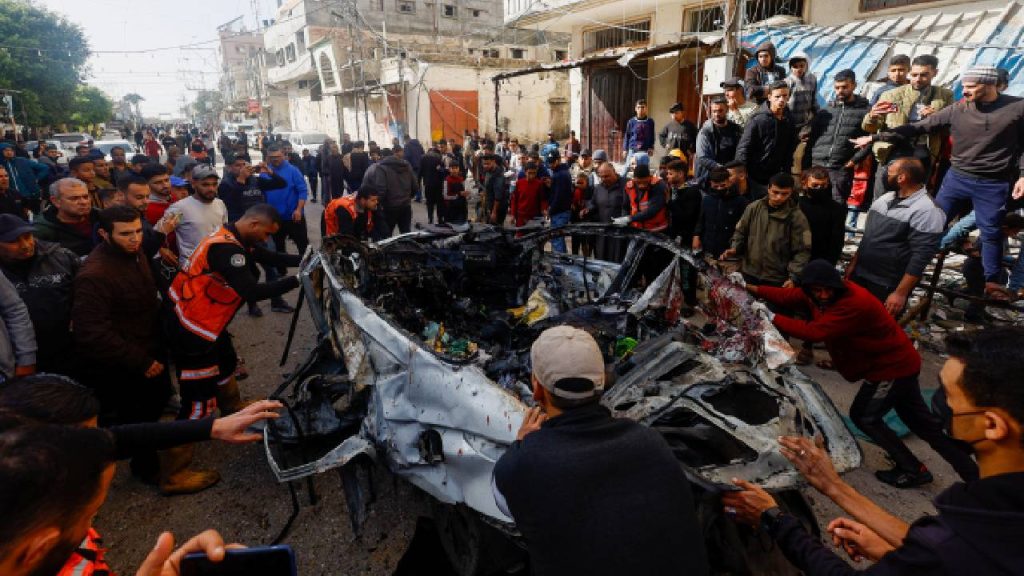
(352, 72)
(732, 27)
(497, 101)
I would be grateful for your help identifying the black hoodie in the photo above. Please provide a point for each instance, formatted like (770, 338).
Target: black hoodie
(979, 531)
(767, 145)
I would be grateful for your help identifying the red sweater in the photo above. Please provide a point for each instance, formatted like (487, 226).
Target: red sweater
(864, 340)
(528, 200)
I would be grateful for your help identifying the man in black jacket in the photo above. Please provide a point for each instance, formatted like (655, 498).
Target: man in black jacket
(831, 130)
(431, 176)
(42, 273)
(980, 524)
(246, 186)
(684, 202)
(593, 494)
(769, 139)
(721, 208)
(825, 215)
(678, 133)
(70, 221)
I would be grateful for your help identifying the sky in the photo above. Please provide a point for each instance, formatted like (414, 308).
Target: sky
(162, 77)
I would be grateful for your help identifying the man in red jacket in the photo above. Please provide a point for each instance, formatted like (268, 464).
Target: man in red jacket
(865, 342)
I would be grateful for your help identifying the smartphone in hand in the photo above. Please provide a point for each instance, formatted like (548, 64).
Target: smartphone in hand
(266, 560)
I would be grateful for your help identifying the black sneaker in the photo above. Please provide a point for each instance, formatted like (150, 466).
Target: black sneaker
(904, 478)
(282, 307)
(254, 311)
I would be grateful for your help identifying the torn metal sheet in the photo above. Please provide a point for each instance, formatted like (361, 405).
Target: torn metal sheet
(433, 330)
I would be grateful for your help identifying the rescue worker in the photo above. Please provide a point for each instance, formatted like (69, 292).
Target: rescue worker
(206, 294)
(354, 215)
(646, 198)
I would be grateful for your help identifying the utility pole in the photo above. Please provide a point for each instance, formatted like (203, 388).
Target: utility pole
(352, 71)
(732, 26)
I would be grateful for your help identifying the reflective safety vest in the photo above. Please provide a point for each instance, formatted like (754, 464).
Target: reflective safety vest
(637, 204)
(203, 300)
(349, 204)
(87, 560)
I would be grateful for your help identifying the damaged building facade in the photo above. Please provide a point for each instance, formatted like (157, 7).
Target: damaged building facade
(377, 69)
(680, 50)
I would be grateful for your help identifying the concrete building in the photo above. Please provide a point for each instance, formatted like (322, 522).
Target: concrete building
(623, 50)
(377, 69)
(238, 49)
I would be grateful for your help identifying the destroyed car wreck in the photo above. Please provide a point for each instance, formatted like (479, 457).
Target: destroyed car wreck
(422, 364)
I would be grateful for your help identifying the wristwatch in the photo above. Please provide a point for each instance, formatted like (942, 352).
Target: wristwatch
(771, 518)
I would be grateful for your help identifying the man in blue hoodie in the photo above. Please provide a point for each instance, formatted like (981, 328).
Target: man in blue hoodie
(560, 190)
(639, 135)
(289, 201)
(979, 525)
(25, 175)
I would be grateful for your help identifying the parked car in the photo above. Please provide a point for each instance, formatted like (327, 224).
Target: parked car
(70, 140)
(31, 146)
(422, 363)
(105, 146)
(306, 141)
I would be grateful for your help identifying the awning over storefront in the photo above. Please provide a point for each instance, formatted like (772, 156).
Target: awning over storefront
(958, 39)
(624, 55)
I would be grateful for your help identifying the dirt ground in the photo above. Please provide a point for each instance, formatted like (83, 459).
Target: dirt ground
(250, 507)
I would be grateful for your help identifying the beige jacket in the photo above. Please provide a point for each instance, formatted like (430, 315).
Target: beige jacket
(905, 97)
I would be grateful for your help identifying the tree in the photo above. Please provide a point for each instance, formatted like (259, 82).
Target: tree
(44, 57)
(134, 99)
(91, 106)
(209, 105)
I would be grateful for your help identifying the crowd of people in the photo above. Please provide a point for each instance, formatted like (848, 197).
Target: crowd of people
(115, 271)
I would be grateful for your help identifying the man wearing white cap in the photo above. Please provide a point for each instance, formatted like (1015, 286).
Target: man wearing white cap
(988, 153)
(590, 493)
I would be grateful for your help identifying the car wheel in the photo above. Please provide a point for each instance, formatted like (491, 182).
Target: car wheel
(474, 548)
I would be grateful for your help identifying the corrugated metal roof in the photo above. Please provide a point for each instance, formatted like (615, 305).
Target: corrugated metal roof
(957, 39)
(623, 55)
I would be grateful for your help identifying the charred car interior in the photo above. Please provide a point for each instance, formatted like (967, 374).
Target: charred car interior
(422, 364)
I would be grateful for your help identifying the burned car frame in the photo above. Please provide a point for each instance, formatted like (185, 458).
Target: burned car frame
(422, 363)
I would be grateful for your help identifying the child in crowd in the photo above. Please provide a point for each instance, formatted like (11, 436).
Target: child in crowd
(455, 194)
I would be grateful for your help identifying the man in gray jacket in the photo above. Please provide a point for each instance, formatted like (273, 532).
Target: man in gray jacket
(393, 180)
(17, 339)
(901, 236)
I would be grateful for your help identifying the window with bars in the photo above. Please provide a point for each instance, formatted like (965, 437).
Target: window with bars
(712, 19)
(872, 5)
(630, 34)
(516, 53)
(289, 52)
(490, 53)
(449, 11)
(406, 7)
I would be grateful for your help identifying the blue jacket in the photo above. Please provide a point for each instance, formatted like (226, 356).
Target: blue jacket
(413, 152)
(312, 165)
(639, 135)
(286, 200)
(25, 174)
(560, 193)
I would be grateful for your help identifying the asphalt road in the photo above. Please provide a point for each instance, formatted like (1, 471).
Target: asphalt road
(250, 507)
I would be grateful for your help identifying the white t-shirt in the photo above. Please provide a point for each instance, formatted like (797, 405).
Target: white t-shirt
(197, 221)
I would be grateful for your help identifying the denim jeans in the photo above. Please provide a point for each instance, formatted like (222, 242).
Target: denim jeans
(962, 228)
(557, 221)
(989, 200)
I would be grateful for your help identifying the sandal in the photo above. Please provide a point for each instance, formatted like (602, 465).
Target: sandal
(996, 292)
